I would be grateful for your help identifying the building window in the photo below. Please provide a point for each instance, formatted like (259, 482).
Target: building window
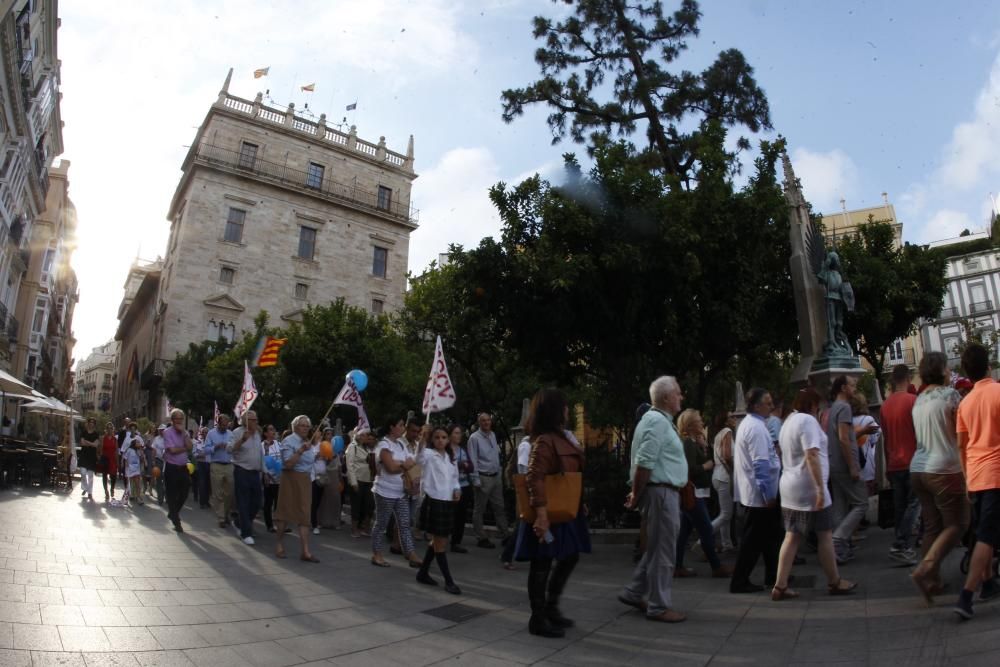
(380, 262)
(307, 242)
(248, 155)
(314, 176)
(384, 197)
(227, 275)
(377, 306)
(227, 332)
(32, 365)
(41, 310)
(50, 256)
(301, 291)
(896, 351)
(234, 226)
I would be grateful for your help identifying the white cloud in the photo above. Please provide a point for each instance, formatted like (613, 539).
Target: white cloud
(826, 177)
(454, 204)
(955, 195)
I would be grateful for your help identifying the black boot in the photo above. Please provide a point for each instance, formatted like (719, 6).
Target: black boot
(538, 578)
(423, 575)
(557, 582)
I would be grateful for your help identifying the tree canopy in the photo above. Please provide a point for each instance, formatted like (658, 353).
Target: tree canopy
(610, 70)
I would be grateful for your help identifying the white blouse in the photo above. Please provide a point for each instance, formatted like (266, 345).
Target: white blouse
(439, 475)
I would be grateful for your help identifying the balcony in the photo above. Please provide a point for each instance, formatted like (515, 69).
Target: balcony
(278, 174)
(153, 374)
(947, 313)
(907, 357)
(980, 307)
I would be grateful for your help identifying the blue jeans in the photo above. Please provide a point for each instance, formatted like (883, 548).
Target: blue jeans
(697, 519)
(204, 483)
(249, 490)
(906, 505)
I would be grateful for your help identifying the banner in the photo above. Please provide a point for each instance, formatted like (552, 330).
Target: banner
(247, 396)
(439, 394)
(215, 415)
(349, 395)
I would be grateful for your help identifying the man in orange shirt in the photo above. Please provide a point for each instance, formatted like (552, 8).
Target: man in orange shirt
(900, 445)
(978, 427)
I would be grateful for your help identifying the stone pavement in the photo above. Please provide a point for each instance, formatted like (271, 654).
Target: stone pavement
(85, 584)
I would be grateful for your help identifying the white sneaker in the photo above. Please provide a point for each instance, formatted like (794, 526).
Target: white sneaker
(315, 531)
(248, 541)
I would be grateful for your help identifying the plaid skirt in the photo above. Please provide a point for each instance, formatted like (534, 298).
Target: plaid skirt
(802, 522)
(437, 516)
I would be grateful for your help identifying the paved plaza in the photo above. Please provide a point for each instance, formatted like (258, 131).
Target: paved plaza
(85, 584)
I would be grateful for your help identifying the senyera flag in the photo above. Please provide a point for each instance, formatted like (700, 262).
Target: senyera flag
(440, 393)
(349, 395)
(248, 395)
(267, 351)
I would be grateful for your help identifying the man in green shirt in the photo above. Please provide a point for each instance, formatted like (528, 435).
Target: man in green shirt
(659, 470)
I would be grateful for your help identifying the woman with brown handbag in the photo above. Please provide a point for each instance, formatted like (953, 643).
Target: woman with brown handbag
(539, 540)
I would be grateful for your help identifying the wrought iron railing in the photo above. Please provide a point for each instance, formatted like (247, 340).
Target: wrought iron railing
(980, 306)
(301, 180)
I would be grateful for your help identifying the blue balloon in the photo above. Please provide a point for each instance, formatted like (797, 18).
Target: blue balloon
(338, 444)
(358, 378)
(273, 464)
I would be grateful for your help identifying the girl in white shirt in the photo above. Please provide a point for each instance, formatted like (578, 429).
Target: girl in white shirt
(439, 482)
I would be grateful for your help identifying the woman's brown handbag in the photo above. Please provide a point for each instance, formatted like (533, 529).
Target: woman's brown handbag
(562, 493)
(687, 497)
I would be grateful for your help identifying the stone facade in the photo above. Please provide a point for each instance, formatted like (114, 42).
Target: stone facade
(95, 379)
(131, 395)
(275, 212)
(30, 137)
(48, 295)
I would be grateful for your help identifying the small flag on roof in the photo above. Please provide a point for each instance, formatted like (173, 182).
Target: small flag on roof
(258, 73)
(310, 88)
(352, 106)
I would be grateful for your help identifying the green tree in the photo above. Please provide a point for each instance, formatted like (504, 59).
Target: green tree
(625, 52)
(187, 382)
(894, 288)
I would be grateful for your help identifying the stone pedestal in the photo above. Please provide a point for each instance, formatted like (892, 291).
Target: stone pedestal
(826, 369)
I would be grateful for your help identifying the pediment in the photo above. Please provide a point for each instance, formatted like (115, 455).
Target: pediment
(225, 302)
(293, 315)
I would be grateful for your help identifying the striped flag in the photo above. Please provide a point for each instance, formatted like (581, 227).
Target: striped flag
(267, 351)
(258, 73)
(309, 88)
(215, 415)
(352, 106)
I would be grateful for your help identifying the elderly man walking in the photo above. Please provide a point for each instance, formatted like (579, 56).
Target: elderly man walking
(486, 479)
(216, 442)
(659, 470)
(247, 454)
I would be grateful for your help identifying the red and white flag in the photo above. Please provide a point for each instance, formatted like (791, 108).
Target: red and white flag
(440, 393)
(247, 396)
(349, 395)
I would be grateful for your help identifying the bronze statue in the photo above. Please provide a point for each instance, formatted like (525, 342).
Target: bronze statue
(839, 294)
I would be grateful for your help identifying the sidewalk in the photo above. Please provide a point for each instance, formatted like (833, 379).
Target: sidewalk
(85, 584)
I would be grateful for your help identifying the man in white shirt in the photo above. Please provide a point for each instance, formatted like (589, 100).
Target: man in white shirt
(757, 470)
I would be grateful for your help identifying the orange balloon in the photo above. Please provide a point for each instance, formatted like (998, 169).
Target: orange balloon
(326, 450)
(156, 471)
(862, 440)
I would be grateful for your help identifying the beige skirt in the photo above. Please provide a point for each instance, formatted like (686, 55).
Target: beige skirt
(294, 498)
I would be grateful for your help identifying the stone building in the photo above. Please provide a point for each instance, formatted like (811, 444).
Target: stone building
(846, 223)
(276, 211)
(30, 137)
(971, 298)
(131, 396)
(94, 378)
(48, 295)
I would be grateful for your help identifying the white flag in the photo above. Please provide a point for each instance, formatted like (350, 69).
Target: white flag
(439, 394)
(349, 395)
(247, 396)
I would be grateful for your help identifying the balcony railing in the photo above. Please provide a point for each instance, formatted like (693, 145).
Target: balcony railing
(301, 180)
(980, 306)
(907, 357)
(948, 312)
(152, 374)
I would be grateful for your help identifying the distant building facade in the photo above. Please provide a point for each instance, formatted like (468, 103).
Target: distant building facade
(30, 137)
(971, 298)
(276, 211)
(94, 379)
(846, 223)
(46, 300)
(131, 395)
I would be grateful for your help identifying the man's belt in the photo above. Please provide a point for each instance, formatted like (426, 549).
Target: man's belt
(221, 463)
(489, 474)
(665, 485)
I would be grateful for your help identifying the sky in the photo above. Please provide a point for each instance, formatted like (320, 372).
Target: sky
(872, 98)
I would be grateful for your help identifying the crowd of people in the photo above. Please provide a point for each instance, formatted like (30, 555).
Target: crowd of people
(760, 486)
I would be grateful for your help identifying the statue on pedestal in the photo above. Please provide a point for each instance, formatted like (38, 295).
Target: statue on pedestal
(839, 294)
